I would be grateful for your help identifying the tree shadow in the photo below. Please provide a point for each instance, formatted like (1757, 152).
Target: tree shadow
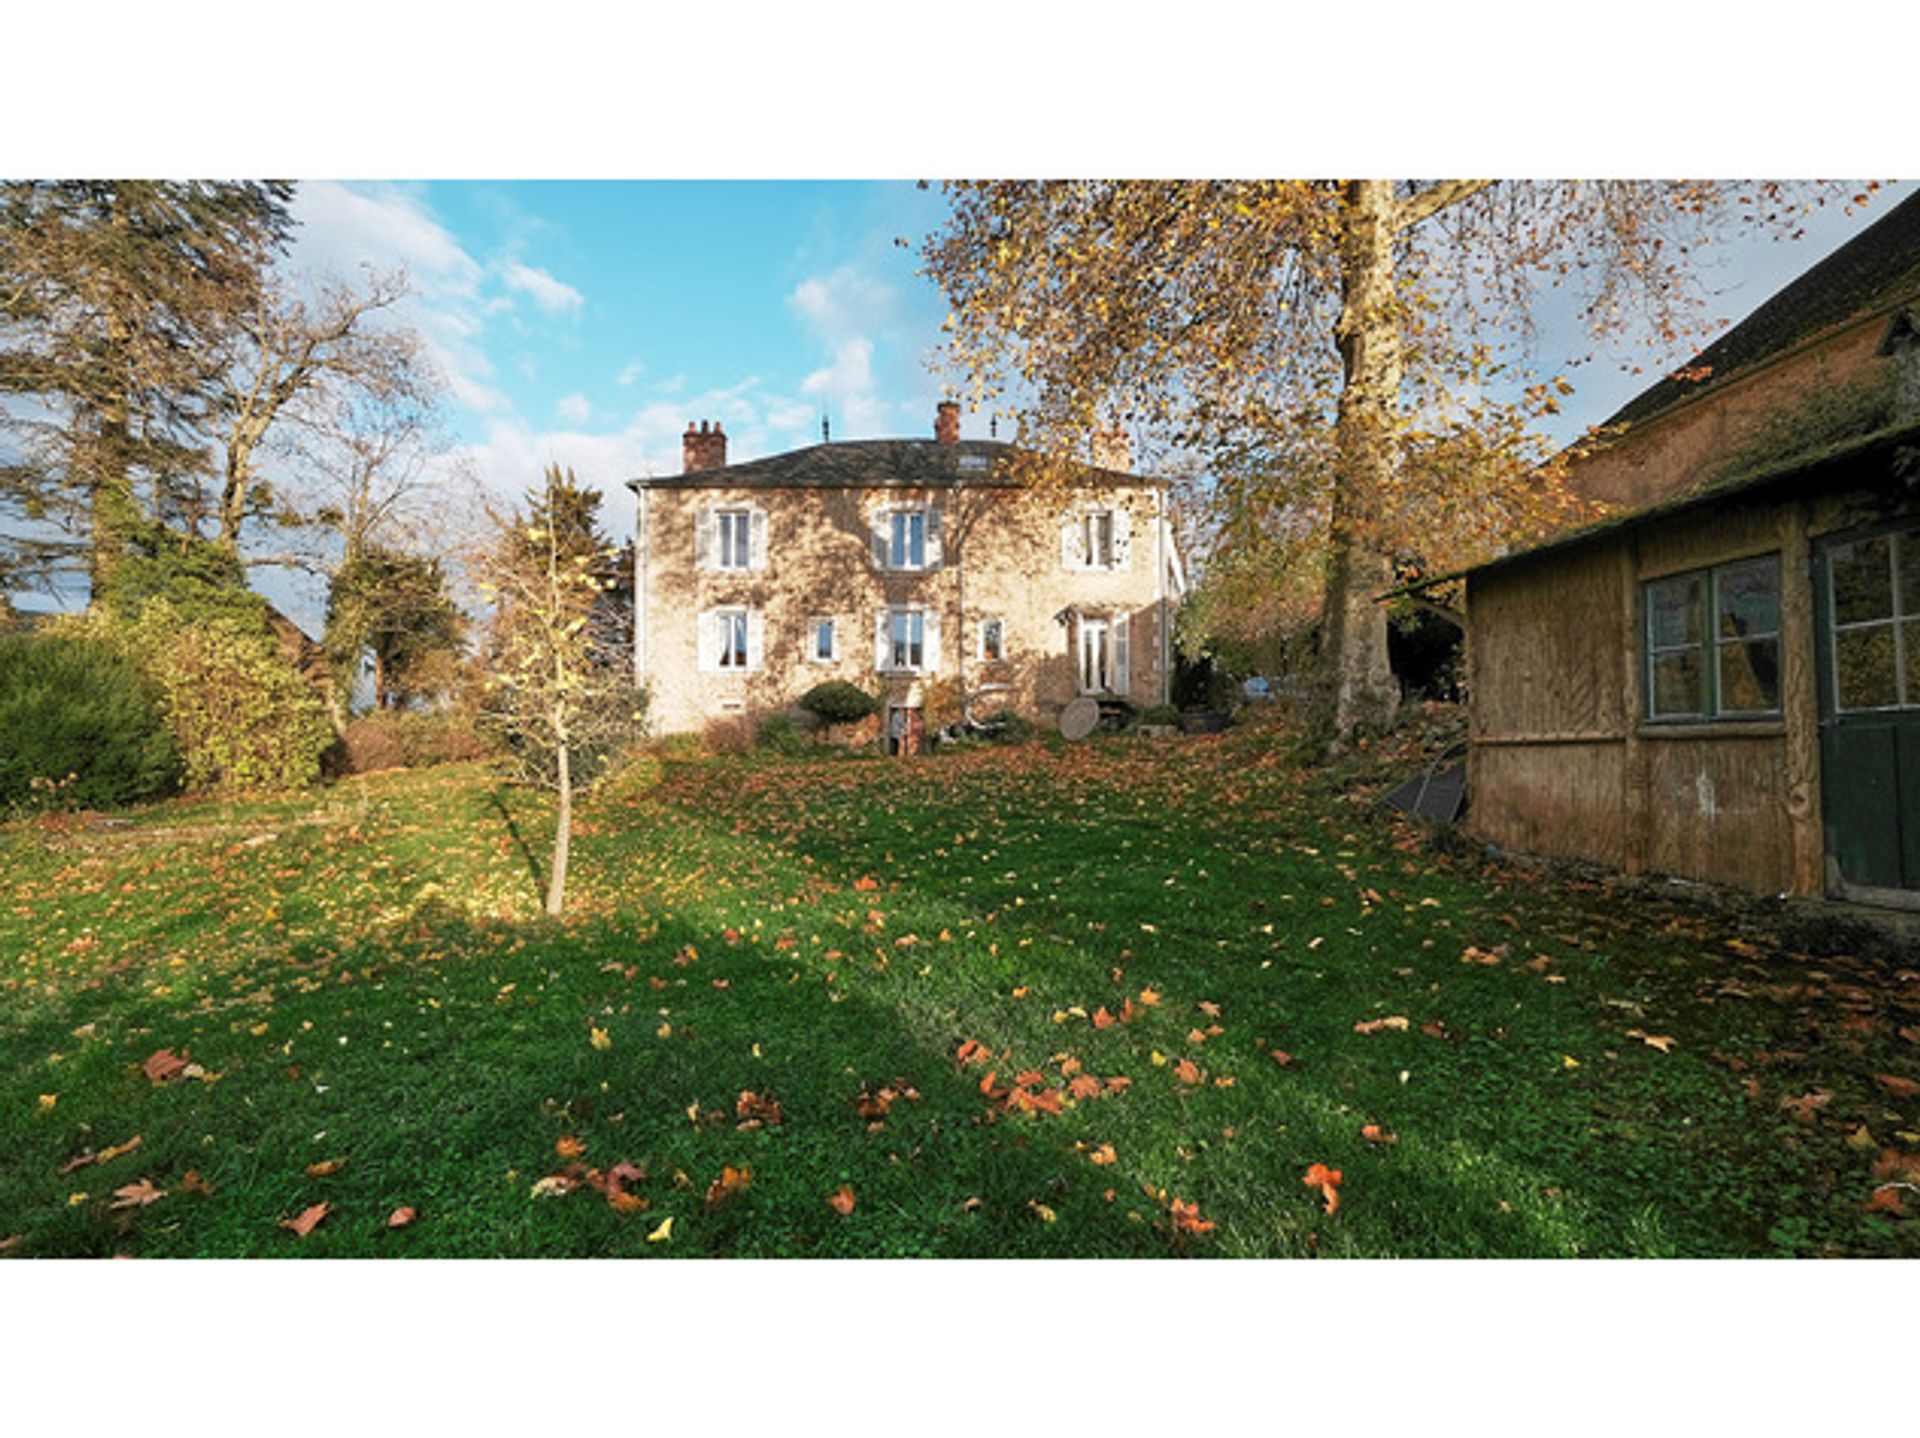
(496, 801)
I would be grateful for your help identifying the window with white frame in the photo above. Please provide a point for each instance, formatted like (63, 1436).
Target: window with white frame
(822, 644)
(733, 538)
(907, 539)
(732, 624)
(1096, 656)
(1099, 538)
(906, 639)
(993, 640)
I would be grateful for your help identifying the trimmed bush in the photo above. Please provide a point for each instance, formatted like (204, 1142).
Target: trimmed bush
(1005, 726)
(242, 716)
(80, 726)
(408, 739)
(839, 702)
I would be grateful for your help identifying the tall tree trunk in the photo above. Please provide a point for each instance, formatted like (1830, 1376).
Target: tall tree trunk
(1359, 679)
(379, 682)
(562, 836)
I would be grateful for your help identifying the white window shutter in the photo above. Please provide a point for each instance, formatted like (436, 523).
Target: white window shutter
(931, 635)
(1122, 640)
(933, 538)
(707, 638)
(1073, 539)
(881, 647)
(756, 639)
(703, 538)
(757, 559)
(1122, 535)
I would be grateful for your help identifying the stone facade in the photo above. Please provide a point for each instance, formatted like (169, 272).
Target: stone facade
(939, 584)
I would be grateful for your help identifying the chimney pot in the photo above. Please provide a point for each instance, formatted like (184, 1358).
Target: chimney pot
(703, 448)
(946, 422)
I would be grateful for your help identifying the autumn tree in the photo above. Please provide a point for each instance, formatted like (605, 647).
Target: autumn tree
(562, 708)
(1350, 356)
(394, 607)
(114, 298)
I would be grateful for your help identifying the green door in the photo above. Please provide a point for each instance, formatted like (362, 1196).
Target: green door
(1867, 592)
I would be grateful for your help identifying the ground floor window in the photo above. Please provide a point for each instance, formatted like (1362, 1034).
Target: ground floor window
(1713, 641)
(733, 638)
(1096, 656)
(822, 650)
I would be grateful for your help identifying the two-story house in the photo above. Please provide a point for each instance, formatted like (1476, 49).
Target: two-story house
(920, 570)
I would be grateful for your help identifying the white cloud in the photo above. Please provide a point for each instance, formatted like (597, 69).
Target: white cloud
(552, 295)
(574, 409)
(843, 304)
(632, 372)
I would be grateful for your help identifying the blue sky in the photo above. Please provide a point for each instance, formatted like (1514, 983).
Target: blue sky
(586, 323)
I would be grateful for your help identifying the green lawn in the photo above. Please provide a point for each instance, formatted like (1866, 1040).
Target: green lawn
(360, 977)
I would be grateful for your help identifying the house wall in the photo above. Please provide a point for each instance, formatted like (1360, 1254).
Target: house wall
(1001, 558)
(1674, 452)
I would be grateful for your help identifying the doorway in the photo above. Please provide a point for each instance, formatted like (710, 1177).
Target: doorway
(1867, 603)
(905, 729)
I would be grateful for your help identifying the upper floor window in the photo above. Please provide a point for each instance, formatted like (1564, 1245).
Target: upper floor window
(907, 544)
(1100, 538)
(1713, 641)
(821, 650)
(733, 534)
(1096, 537)
(993, 640)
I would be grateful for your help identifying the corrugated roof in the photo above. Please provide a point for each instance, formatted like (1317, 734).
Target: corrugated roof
(1877, 269)
(873, 464)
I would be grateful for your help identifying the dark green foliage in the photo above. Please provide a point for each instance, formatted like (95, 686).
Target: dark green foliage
(839, 702)
(197, 579)
(780, 735)
(1160, 714)
(1006, 726)
(80, 727)
(394, 606)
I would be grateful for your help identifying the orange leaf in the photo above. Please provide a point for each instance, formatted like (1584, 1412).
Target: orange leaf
(401, 1217)
(1186, 1217)
(567, 1146)
(1373, 1133)
(1897, 1086)
(1149, 997)
(163, 1064)
(973, 1051)
(307, 1220)
(1886, 1199)
(730, 1182)
(1117, 1082)
(841, 1200)
(866, 884)
(1327, 1180)
(191, 1182)
(1047, 1100)
(1211, 1010)
(137, 1195)
(1028, 1078)
(1282, 1057)
(1101, 1018)
(1069, 1067)
(1186, 1072)
(1103, 1155)
(1804, 1107)
(1084, 1086)
(326, 1168)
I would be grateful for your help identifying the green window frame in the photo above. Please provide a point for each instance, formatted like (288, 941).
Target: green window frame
(1711, 642)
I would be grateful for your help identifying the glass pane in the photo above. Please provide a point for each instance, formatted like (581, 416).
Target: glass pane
(1910, 637)
(1862, 587)
(899, 540)
(1863, 659)
(1750, 677)
(1909, 547)
(1673, 610)
(1676, 683)
(1748, 597)
(917, 540)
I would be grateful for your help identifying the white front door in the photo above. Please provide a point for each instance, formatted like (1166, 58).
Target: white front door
(1095, 657)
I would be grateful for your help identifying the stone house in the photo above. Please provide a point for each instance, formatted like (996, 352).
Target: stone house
(1721, 679)
(920, 570)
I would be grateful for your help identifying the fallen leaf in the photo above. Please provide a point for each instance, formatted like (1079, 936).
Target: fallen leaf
(163, 1064)
(1041, 1211)
(841, 1200)
(866, 884)
(307, 1220)
(554, 1185)
(1886, 1199)
(48, 1100)
(663, 1233)
(731, 1181)
(326, 1168)
(1897, 1086)
(973, 1052)
(1103, 1154)
(1102, 1019)
(137, 1195)
(1374, 1026)
(600, 1038)
(1186, 1072)
(1084, 1086)
(1373, 1133)
(1149, 997)
(1117, 1082)
(1186, 1217)
(115, 1150)
(1804, 1107)
(191, 1182)
(1327, 1180)
(1211, 1010)
(1282, 1057)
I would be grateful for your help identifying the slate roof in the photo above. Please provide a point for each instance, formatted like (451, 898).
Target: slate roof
(873, 464)
(1876, 270)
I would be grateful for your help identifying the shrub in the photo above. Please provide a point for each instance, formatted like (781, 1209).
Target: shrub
(839, 702)
(80, 726)
(410, 739)
(1160, 714)
(730, 734)
(780, 735)
(1005, 726)
(242, 716)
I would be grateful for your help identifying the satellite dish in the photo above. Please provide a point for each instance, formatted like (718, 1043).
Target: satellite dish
(1079, 719)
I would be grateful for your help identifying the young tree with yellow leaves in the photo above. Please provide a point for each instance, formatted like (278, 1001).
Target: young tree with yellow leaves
(1342, 350)
(562, 707)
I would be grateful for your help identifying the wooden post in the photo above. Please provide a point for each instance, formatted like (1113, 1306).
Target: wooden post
(1636, 839)
(1800, 704)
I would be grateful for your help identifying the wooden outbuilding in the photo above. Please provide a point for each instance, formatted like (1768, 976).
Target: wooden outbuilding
(1721, 680)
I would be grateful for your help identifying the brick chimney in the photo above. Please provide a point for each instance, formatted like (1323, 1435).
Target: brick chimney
(946, 422)
(1111, 449)
(703, 448)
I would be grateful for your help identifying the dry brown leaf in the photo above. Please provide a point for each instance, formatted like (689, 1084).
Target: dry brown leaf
(841, 1200)
(1397, 1022)
(567, 1146)
(163, 1064)
(308, 1219)
(401, 1217)
(326, 1168)
(1373, 1133)
(1897, 1086)
(137, 1195)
